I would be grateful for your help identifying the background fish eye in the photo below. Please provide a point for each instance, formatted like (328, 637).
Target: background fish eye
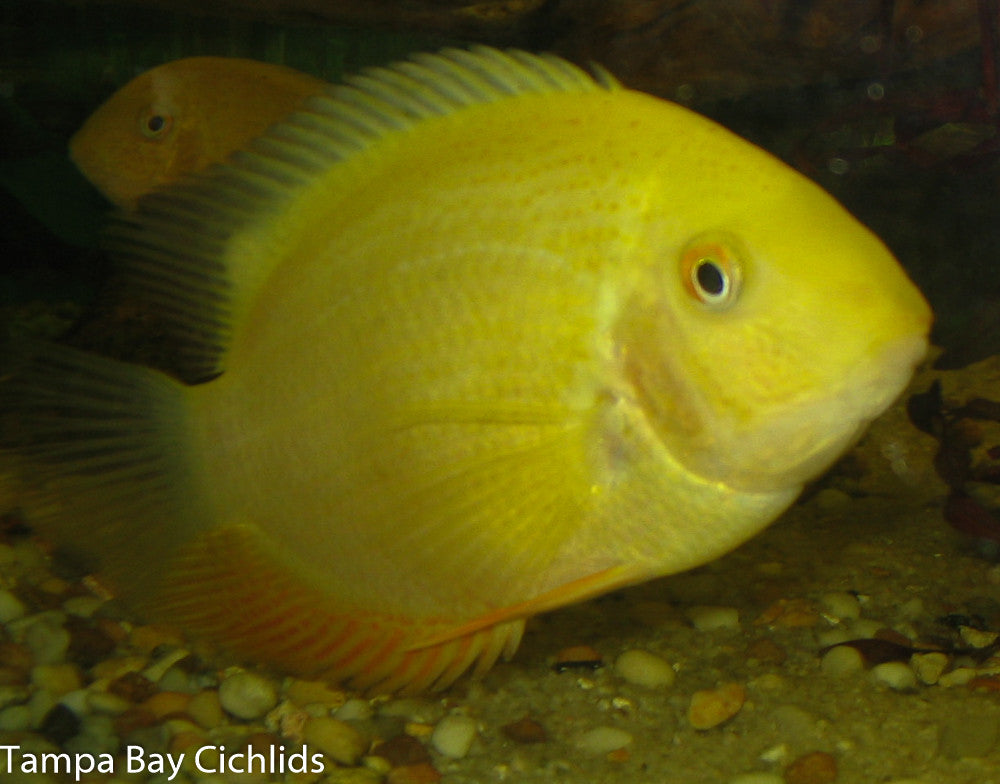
(155, 125)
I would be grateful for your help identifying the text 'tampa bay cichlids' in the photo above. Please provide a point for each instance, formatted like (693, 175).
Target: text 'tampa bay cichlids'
(481, 336)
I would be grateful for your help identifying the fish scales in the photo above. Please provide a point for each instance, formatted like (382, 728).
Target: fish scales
(481, 335)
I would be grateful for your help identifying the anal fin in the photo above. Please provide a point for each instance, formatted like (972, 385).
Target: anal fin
(228, 589)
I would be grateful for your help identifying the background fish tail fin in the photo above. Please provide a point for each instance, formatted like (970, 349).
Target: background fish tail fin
(97, 455)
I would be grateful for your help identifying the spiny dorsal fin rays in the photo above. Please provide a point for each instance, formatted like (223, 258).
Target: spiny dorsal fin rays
(176, 247)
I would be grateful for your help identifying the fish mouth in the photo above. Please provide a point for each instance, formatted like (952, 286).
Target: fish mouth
(794, 444)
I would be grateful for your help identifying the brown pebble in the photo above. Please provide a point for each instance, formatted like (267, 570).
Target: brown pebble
(13, 676)
(987, 683)
(766, 651)
(577, 657)
(167, 703)
(789, 614)
(133, 719)
(711, 707)
(421, 773)
(525, 730)
(619, 755)
(133, 686)
(16, 656)
(402, 750)
(816, 767)
(88, 644)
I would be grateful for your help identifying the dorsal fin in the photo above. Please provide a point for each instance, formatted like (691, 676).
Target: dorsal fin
(176, 248)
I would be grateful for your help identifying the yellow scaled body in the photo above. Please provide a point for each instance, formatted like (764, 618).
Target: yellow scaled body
(481, 336)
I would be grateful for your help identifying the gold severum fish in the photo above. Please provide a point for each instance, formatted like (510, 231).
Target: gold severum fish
(180, 117)
(481, 335)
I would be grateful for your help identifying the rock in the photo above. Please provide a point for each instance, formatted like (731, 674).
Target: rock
(817, 767)
(843, 606)
(645, 669)
(603, 740)
(708, 618)
(453, 735)
(929, 667)
(247, 695)
(711, 707)
(206, 709)
(842, 660)
(898, 676)
(336, 739)
(525, 730)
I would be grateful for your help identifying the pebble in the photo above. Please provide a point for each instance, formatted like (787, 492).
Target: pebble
(247, 695)
(11, 608)
(843, 606)
(645, 669)
(581, 657)
(977, 638)
(525, 730)
(603, 740)
(789, 614)
(401, 750)
(898, 676)
(303, 692)
(929, 667)
(708, 618)
(355, 710)
(453, 735)
(46, 637)
(711, 707)
(57, 679)
(337, 739)
(816, 767)
(206, 709)
(842, 660)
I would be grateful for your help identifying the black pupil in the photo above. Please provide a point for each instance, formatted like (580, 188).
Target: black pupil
(155, 123)
(710, 278)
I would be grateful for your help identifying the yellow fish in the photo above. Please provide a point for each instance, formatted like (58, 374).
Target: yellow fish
(180, 117)
(481, 335)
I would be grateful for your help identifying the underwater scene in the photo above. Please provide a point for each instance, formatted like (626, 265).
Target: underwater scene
(500, 391)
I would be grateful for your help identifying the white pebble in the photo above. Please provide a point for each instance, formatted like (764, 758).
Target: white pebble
(706, 619)
(338, 740)
(842, 660)
(453, 735)
(896, 675)
(354, 710)
(929, 667)
(960, 676)
(841, 605)
(645, 669)
(602, 740)
(11, 608)
(247, 695)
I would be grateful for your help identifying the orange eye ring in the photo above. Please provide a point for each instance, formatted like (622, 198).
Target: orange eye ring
(155, 125)
(712, 273)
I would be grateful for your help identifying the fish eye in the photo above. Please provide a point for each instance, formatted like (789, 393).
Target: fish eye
(711, 273)
(154, 124)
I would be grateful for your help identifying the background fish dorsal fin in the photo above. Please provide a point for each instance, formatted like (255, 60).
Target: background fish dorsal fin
(198, 250)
